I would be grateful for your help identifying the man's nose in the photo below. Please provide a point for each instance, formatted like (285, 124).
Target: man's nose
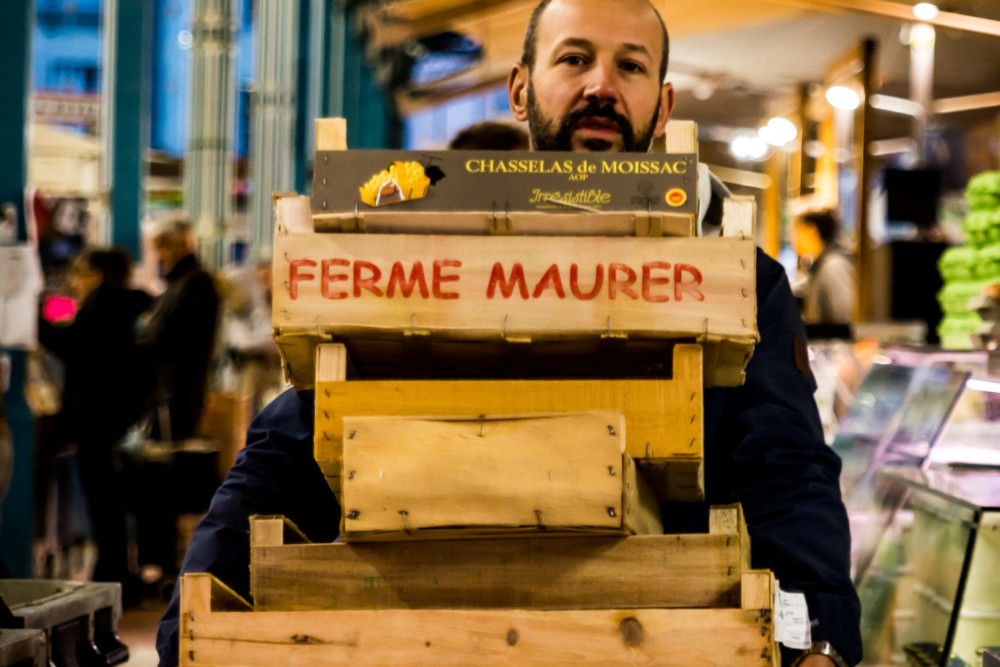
(600, 85)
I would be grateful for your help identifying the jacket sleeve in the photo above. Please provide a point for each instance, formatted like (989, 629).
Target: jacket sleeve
(773, 459)
(274, 474)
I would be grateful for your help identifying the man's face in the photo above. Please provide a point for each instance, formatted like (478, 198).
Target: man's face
(170, 251)
(595, 84)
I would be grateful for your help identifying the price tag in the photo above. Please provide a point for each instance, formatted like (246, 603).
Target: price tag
(791, 619)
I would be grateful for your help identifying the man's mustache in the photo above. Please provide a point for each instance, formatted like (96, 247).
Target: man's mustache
(595, 110)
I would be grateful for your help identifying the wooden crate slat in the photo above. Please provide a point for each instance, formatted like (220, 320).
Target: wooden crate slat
(672, 637)
(521, 223)
(643, 571)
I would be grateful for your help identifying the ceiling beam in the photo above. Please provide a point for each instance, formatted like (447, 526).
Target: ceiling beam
(902, 12)
(967, 103)
(393, 26)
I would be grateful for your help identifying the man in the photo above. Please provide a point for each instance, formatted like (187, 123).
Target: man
(591, 79)
(180, 334)
(828, 292)
(177, 343)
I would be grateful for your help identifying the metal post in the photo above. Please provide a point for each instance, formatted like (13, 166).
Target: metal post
(272, 112)
(17, 520)
(125, 106)
(208, 164)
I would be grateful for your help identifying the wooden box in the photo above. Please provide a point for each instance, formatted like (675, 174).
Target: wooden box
(652, 600)
(465, 477)
(663, 418)
(466, 306)
(288, 573)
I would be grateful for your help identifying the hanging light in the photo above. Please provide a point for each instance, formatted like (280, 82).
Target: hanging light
(843, 97)
(925, 11)
(778, 131)
(748, 147)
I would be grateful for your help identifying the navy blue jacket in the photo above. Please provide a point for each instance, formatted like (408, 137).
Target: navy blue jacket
(764, 448)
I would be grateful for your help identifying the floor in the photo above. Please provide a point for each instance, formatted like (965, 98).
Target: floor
(137, 629)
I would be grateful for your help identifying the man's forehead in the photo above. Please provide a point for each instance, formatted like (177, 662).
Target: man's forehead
(634, 24)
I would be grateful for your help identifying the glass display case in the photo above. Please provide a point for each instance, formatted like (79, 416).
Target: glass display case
(921, 452)
(931, 593)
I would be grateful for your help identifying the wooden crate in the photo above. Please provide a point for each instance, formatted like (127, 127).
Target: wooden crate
(554, 333)
(663, 418)
(410, 621)
(584, 572)
(491, 297)
(464, 477)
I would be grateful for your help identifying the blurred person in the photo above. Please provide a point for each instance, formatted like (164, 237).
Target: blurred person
(491, 135)
(178, 342)
(180, 334)
(103, 391)
(61, 239)
(828, 292)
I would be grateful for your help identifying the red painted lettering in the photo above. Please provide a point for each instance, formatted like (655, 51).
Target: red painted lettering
(397, 278)
(615, 284)
(294, 276)
(550, 280)
(438, 278)
(369, 283)
(690, 287)
(648, 281)
(329, 277)
(574, 283)
(497, 279)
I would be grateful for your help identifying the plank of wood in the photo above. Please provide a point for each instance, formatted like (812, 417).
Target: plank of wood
(293, 215)
(739, 217)
(516, 473)
(663, 417)
(671, 637)
(331, 362)
(522, 223)
(581, 572)
(331, 134)
(667, 287)
(729, 520)
(681, 136)
(757, 590)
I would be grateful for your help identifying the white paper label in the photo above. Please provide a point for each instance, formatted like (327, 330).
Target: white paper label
(791, 619)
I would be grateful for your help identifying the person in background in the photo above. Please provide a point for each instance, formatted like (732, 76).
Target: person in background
(491, 135)
(179, 337)
(178, 342)
(103, 391)
(828, 292)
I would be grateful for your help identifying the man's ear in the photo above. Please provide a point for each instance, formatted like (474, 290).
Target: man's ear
(517, 91)
(666, 107)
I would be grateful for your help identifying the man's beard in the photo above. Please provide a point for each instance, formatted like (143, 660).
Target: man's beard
(546, 137)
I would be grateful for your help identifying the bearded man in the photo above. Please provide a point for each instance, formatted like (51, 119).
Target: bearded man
(591, 78)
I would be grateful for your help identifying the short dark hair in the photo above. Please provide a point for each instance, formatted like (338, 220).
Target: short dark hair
(825, 221)
(529, 51)
(113, 264)
(491, 135)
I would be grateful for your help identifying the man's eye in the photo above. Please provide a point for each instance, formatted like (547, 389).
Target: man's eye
(634, 68)
(573, 60)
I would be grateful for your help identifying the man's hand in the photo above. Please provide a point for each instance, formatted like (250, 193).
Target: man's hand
(816, 660)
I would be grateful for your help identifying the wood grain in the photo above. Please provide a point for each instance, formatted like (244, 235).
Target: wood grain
(583, 572)
(670, 637)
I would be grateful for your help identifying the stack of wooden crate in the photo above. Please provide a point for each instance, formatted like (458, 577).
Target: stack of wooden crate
(500, 505)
